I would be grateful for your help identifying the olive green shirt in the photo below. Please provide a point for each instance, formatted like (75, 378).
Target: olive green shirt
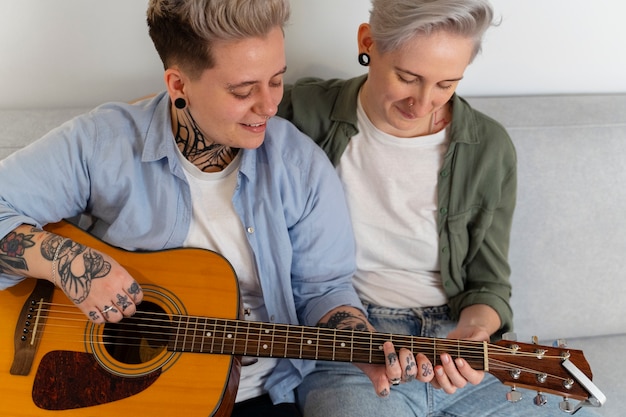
(476, 189)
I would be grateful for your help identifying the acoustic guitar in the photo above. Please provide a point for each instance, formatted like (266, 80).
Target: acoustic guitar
(180, 353)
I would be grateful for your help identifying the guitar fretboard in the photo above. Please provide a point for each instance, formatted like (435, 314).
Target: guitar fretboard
(248, 338)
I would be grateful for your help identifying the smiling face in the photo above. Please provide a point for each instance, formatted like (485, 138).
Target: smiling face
(405, 87)
(231, 102)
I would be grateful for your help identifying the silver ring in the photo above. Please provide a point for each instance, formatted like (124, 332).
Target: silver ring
(107, 309)
(395, 381)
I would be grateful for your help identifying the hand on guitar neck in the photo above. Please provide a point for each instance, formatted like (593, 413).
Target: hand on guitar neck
(403, 366)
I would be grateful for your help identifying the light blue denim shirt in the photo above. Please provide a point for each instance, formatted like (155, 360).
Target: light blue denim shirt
(118, 163)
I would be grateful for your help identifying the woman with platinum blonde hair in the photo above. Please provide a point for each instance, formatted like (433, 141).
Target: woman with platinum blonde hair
(431, 188)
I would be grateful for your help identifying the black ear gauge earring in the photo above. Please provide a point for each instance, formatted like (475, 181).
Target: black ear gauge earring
(180, 103)
(364, 59)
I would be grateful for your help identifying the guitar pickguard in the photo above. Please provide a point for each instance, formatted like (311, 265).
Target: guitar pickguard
(67, 380)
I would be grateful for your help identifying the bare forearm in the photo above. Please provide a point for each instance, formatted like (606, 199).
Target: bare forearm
(479, 316)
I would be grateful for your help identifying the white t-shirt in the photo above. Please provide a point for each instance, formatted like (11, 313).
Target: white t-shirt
(216, 226)
(391, 189)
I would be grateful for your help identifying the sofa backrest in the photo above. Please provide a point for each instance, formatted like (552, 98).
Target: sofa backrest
(568, 243)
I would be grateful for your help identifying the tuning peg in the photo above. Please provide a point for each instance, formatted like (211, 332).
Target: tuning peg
(510, 336)
(560, 343)
(567, 407)
(535, 340)
(513, 396)
(540, 400)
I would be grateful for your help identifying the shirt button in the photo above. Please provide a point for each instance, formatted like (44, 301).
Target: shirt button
(444, 173)
(444, 249)
(250, 229)
(443, 210)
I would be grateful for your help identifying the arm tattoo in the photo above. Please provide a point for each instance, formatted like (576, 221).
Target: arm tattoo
(345, 320)
(194, 146)
(12, 249)
(77, 287)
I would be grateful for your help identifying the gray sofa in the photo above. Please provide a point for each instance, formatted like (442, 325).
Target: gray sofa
(569, 232)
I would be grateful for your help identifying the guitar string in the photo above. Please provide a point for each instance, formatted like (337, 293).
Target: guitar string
(441, 344)
(308, 331)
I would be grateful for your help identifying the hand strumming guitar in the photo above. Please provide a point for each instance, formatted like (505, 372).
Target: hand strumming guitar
(94, 281)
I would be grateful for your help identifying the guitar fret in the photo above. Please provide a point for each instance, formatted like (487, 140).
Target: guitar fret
(486, 356)
(178, 330)
(245, 345)
(235, 336)
(272, 341)
(191, 330)
(258, 345)
(301, 342)
(352, 346)
(317, 344)
(223, 339)
(185, 331)
(286, 343)
(204, 335)
(198, 335)
(213, 336)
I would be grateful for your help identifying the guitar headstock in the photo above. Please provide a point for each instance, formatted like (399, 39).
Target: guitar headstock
(539, 368)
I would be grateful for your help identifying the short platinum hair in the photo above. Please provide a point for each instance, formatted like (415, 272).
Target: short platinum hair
(395, 22)
(184, 31)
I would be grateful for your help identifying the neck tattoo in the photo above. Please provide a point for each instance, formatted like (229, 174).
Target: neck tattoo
(439, 119)
(196, 148)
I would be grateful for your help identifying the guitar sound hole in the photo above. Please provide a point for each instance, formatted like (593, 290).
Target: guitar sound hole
(140, 338)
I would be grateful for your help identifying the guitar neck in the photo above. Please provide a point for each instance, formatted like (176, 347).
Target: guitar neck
(246, 338)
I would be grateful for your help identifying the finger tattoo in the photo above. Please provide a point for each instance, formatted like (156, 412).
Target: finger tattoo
(123, 302)
(411, 369)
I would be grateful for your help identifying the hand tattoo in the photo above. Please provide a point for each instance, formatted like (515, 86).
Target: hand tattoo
(426, 369)
(77, 287)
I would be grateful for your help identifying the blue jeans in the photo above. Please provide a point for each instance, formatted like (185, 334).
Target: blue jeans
(341, 389)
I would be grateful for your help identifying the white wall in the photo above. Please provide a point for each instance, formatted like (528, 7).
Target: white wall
(83, 52)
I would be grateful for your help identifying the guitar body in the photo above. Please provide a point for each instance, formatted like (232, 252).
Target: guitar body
(67, 366)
